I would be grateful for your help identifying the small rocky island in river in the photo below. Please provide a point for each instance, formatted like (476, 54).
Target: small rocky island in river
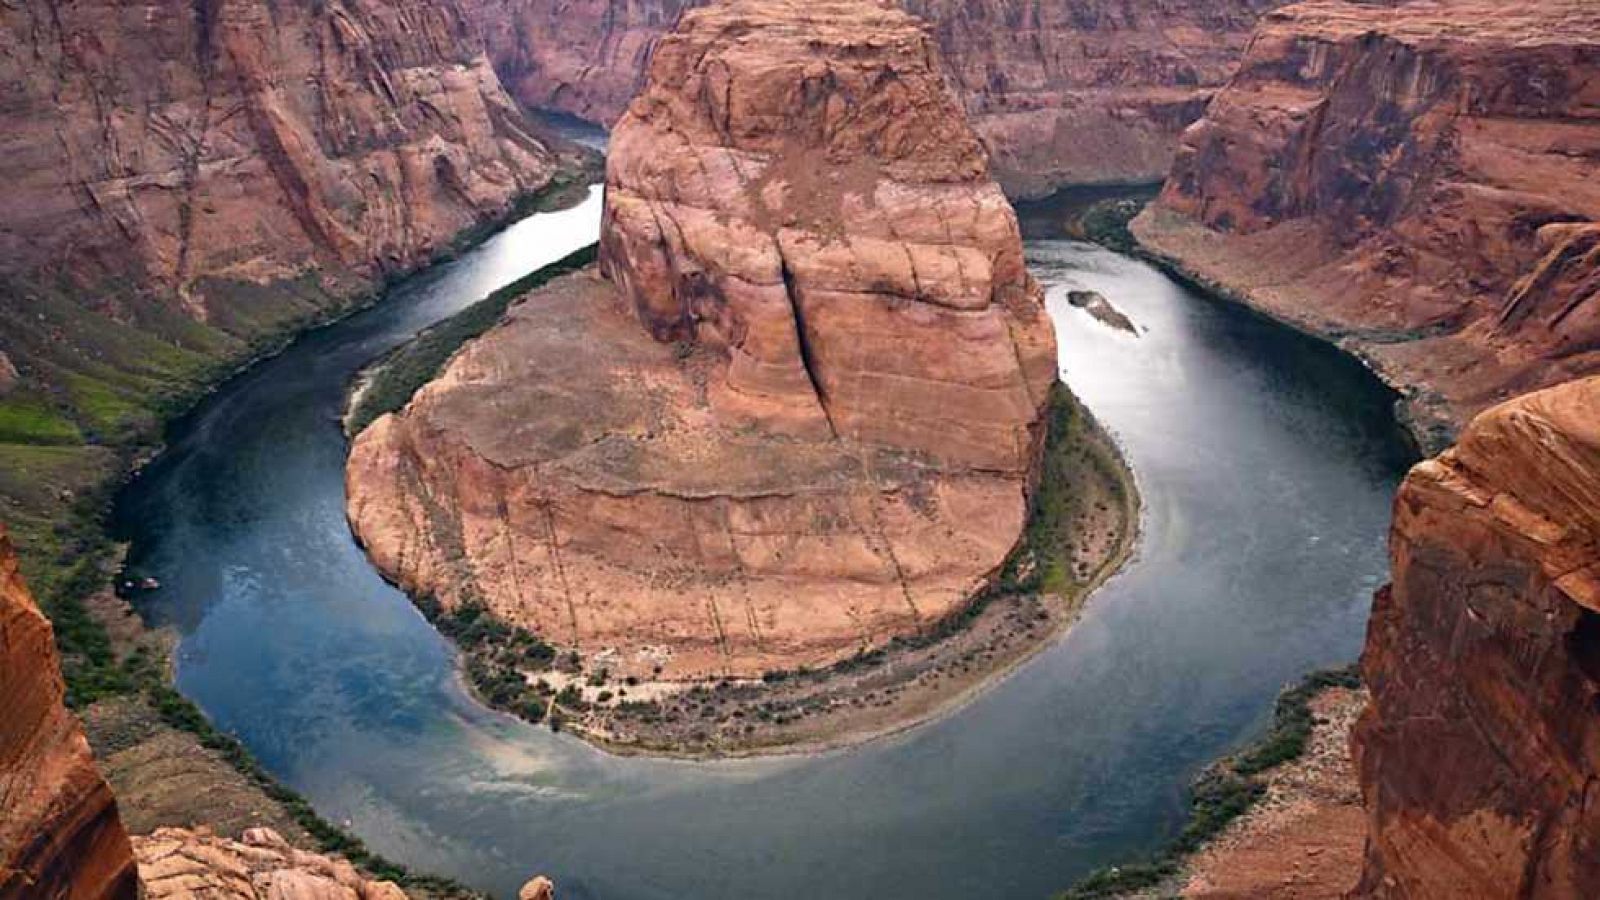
(797, 413)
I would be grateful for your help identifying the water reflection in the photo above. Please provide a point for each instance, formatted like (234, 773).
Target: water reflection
(1266, 463)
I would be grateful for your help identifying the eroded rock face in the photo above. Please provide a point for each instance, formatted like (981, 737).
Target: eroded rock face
(198, 150)
(179, 864)
(802, 415)
(810, 199)
(60, 836)
(1420, 180)
(1480, 751)
(1062, 92)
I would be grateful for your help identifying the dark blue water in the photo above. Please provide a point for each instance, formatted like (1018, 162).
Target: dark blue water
(1266, 463)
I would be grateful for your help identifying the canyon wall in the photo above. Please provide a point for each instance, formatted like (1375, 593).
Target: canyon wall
(198, 147)
(801, 414)
(1420, 181)
(1062, 92)
(187, 181)
(60, 835)
(1480, 751)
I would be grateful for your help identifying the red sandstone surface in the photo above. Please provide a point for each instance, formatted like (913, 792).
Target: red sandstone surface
(184, 864)
(60, 835)
(802, 414)
(1420, 181)
(1480, 751)
(196, 150)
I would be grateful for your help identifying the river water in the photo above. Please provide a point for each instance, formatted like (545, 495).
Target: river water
(1266, 463)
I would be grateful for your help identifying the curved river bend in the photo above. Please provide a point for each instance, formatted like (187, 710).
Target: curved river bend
(1266, 462)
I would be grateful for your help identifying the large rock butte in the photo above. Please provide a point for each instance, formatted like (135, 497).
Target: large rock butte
(1086, 91)
(60, 835)
(800, 417)
(1421, 181)
(1480, 751)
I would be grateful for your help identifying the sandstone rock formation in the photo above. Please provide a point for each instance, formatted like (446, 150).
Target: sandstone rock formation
(1422, 181)
(810, 199)
(202, 149)
(540, 888)
(801, 416)
(1062, 92)
(1480, 752)
(179, 864)
(60, 836)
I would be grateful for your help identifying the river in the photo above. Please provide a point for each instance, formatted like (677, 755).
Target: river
(1266, 461)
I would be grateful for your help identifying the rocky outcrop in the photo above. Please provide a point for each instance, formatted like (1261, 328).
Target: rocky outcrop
(801, 415)
(179, 864)
(811, 201)
(1480, 752)
(60, 836)
(1062, 92)
(1419, 181)
(540, 888)
(199, 149)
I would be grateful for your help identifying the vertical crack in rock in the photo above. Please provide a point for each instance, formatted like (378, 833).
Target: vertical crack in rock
(802, 336)
(849, 329)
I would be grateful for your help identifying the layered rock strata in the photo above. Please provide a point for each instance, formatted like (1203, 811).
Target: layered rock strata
(801, 412)
(1480, 752)
(1418, 180)
(1061, 92)
(196, 147)
(180, 864)
(60, 835)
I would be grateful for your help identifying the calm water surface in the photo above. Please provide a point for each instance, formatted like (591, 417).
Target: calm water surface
(1266, 462)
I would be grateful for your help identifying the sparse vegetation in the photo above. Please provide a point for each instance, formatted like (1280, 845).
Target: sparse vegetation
(96, 391)
(391, 382)
(178, 712)
(498, 657)
(1038, 587)
(1106, 222)
(1224, 791)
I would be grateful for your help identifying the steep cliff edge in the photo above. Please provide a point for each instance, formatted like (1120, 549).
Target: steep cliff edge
(1418, 181)
(799, 418)
(1480, 751)
(1062, 92)
(188, 182)
(60, 835)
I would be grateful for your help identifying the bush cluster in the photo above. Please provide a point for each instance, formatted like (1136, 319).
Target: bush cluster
(1223, 792)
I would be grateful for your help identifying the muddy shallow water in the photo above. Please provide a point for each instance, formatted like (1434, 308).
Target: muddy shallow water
(1266, 463)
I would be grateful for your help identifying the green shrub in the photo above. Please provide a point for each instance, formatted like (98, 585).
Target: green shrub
(1225, 791)
(397, 377)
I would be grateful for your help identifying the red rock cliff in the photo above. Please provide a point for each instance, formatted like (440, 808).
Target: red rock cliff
(1062, 92)
(802, 415)
(198, 149)
(1422, 181)
(1480, 752)
(60, 836)
(812, 199)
